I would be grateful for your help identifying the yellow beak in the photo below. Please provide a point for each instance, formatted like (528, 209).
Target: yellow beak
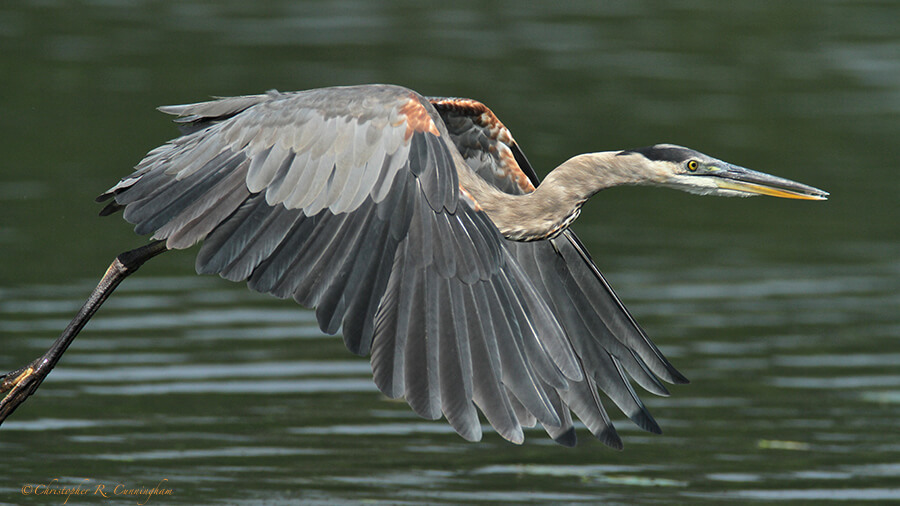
(768, 190)
(735, 178)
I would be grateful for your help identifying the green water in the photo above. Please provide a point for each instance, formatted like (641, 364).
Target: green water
(784, 314)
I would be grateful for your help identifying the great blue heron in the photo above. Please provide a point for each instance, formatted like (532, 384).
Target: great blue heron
(419, 225)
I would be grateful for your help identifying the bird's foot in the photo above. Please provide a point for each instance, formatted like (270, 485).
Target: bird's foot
(19, 384)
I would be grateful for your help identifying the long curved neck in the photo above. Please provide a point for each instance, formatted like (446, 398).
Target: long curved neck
(557, 201)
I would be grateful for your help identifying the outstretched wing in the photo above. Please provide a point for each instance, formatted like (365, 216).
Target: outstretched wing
(610, 345)
(347, 200)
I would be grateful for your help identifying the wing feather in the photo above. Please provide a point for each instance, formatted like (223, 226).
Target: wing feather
(593, 287)
(197, 221)
(263, 167)
(444, 246)
(583, 399)
(287, 181)
(563, 434)
(421, 354)
(241, 243)
(456, 363)
(346, 270)
(525, 416)
(314, 274)
(488, 391)
(518, 373)
(359, 320)
(392, 327)
(170, 199)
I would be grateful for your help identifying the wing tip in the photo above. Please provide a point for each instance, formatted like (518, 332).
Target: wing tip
(471, 433)
(643, 419)
(515, 436)
(177, 110)
(638, 413)
(611, 438)
(568, 438)
(676, 377)
(111, 208)
(660, 390)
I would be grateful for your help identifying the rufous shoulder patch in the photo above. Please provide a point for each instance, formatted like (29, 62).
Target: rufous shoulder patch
(474, 108)
(417, 118)
(482, 116)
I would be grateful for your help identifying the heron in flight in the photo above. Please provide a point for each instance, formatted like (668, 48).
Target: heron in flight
(417, 227)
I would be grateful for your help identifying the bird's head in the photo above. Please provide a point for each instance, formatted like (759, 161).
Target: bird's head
(692, 171)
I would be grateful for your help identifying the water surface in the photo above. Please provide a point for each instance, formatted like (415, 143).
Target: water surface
(783, 314)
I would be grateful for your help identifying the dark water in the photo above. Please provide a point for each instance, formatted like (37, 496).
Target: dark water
(784, 314)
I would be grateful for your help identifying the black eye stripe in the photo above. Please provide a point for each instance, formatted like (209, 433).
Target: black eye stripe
(664, 153)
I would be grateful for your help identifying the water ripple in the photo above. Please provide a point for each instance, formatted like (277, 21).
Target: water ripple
(212, 371)
(238, 387)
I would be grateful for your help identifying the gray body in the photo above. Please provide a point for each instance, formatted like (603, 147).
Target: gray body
(417, 226)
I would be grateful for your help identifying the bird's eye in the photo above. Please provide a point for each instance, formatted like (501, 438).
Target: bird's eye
(692, 165)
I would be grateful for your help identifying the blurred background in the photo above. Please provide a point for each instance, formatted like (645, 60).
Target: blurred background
(784, 314)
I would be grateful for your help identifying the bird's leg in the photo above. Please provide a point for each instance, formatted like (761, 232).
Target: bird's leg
(22, 382)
